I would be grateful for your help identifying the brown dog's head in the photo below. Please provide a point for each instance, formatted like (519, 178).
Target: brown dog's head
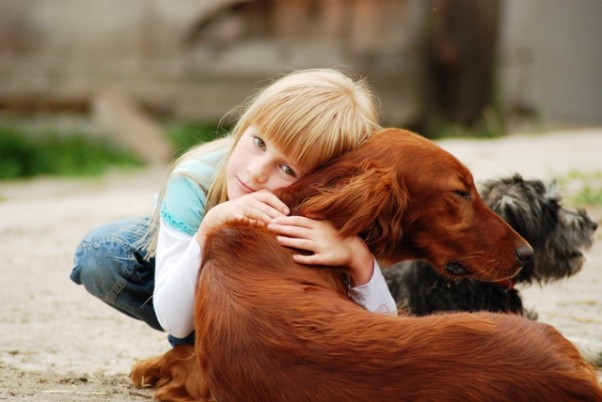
(410, 199)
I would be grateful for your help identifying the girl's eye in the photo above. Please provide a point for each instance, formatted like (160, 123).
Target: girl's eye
(259, 143)
(288, 171)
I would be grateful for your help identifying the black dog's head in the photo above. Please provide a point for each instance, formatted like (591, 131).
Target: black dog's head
(558, 236)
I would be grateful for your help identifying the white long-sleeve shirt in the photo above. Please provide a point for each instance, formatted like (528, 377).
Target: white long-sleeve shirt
(178, 259)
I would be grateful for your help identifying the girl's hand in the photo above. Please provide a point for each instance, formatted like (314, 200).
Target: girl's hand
(327, 246)
(260, 206)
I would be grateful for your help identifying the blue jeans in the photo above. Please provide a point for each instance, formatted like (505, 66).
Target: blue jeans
(112, 264)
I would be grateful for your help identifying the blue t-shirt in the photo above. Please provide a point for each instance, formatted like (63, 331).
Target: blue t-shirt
(183, 205)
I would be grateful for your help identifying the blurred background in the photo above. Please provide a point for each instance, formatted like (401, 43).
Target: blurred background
(141, 80)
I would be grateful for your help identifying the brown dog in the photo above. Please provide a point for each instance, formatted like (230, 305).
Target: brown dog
(271, 330)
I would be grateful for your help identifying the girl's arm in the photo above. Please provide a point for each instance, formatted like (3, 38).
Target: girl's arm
(178, 259)
(374, 295)
(178, 256)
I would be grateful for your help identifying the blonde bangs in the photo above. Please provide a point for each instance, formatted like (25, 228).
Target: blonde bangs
(301, 140)
(313, 123)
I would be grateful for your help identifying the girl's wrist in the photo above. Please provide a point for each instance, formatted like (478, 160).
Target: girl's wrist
(361, 267)
(200, 237)
(203, 229)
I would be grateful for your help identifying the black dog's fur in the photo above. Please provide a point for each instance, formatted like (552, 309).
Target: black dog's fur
(534, 210)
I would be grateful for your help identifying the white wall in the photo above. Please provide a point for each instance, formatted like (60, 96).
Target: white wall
(551, 59)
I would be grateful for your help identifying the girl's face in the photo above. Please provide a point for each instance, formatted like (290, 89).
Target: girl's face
(256, 164)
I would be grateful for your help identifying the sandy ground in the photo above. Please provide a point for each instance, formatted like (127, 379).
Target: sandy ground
(58, 343)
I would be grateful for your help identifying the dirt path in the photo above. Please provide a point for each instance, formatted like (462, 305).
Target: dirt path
(59, 344)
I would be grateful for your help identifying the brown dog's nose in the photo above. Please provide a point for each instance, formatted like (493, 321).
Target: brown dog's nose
(524, 254)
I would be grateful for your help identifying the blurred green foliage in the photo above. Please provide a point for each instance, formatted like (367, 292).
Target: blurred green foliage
(589, 195)
(50, 153)
(25, 152)
(583, 189)
(184, 135)
(489, 125)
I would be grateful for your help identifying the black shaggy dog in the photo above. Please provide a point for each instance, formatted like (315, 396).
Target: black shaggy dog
(557, 235)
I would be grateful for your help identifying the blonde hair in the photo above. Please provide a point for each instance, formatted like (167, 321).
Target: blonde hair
(312, 116)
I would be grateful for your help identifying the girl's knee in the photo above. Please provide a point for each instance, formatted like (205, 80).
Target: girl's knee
(109, 257)
(102, 264)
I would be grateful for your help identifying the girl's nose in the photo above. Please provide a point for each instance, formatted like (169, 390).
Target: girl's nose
(257, 172)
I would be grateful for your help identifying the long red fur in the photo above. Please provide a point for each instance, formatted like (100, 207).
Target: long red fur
(268, 329)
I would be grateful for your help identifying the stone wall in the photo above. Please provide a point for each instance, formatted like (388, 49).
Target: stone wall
(551, 60)
(197, 59)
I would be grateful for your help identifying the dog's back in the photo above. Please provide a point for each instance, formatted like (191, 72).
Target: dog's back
(282, 332)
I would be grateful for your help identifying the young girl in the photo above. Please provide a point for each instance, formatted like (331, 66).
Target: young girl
(147, 268)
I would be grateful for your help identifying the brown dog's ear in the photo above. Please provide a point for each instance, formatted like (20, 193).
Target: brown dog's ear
(369, 203)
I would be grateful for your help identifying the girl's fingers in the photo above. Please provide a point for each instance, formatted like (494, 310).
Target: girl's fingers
(288, 230)
(269, 199)
(298, 221)
(301, 244)
(261, 205)
(311, 259)
(251, 214)
(262, 212)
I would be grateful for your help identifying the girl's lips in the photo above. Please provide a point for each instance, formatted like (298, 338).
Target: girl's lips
(244, 187)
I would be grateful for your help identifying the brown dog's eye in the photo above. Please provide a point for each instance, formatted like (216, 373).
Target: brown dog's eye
(462, 193)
